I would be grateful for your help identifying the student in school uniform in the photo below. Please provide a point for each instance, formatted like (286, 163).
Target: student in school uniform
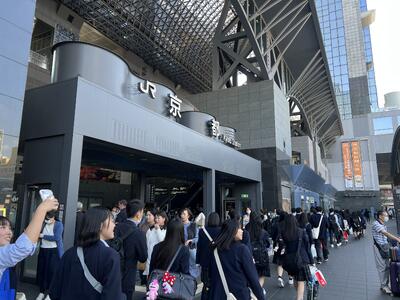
(101, 261)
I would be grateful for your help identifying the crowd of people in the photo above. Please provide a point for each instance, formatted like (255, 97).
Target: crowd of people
(115, 246)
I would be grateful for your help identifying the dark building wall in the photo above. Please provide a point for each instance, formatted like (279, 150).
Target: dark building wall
(357, 200)
(359, 95)
(274, 172)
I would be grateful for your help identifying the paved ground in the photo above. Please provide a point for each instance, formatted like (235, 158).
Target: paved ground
(350, 273)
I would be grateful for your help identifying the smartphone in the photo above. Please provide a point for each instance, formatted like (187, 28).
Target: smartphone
(44, 194)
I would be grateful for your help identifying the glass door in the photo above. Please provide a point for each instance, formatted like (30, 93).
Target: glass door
(32, 201)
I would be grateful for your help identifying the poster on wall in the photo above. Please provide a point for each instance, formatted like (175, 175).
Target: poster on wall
(347, 166)
(357, 164)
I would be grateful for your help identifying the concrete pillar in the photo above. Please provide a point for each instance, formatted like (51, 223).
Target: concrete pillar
(209, 191)
(69, 185)
(142, 186)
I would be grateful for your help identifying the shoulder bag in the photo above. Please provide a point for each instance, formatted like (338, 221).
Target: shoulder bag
(89, 277)
(229, 295)
(315, 231)
(384, 250)
(174, 285)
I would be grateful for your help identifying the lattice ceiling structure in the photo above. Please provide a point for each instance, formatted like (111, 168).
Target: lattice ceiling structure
(174, 36)
(270, 39)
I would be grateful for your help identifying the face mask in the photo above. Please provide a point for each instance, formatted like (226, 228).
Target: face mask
(248, 212)
(47, 221)
(386, 219)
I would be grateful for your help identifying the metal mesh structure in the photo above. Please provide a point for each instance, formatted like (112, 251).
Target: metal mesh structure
(172, 36)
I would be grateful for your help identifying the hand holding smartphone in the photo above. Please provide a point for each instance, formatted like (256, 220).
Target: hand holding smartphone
(44, 194)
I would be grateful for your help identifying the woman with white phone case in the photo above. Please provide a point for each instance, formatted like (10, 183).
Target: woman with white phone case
(11, 254)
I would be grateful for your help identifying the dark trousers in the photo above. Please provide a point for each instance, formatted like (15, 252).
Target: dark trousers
(47, 265)
(129, 295)
(322, 249)
(205, 278)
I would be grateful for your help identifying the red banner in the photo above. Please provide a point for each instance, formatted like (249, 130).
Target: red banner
(347, 165)
(357, 164)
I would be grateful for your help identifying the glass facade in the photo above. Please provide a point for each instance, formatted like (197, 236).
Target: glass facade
(383, 125)
(370, 65)
(330, 15)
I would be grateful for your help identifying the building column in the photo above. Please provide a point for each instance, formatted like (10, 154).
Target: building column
(69, 186)
(142, 186)
(209, 191)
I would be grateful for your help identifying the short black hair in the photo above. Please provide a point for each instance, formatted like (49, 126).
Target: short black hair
(4, 221)
(91, 226)
(133, 207)
(380, 213)
(319, 209)
(299, 210)
(213, 220)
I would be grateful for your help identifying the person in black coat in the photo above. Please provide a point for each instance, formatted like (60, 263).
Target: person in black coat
(259, 237)
(278, 245)
(291, 235)
(321, 242)
(135, 247)
(102, 262)
(237, 264)
(204, 254)
(164, 251)
(122, 215)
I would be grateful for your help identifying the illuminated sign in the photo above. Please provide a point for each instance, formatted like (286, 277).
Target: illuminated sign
(357, 164)
(347, 166)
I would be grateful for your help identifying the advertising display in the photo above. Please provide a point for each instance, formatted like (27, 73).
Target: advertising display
(357, 164)
(347, 166)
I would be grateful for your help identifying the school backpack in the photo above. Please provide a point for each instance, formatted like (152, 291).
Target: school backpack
(260, 253)
(117, 243)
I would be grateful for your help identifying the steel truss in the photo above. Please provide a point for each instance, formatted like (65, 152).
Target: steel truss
(173, 36)
(245, 44)
(204, 45)
(313, 94)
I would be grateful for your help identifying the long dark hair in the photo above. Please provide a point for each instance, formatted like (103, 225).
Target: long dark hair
(290, 228)
(227, 234)
(173, 239)
(213, 220)
(255, 226)
(302, 220)
(91, 226)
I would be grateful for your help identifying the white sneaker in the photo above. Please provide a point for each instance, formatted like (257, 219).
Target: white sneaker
(291, 281)
(332, 246)
(47, 298)
(340, 244)
(386, 290)
(280, 282)
(40, 296)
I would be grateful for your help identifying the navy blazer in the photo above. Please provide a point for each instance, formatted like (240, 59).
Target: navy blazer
(314, 221)
(135, 249)
(305, 250)
(180, 265)
(203, 254)
(69, 282)
(240, 273)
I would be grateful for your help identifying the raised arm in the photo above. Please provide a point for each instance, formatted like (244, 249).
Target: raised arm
(34, 227)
